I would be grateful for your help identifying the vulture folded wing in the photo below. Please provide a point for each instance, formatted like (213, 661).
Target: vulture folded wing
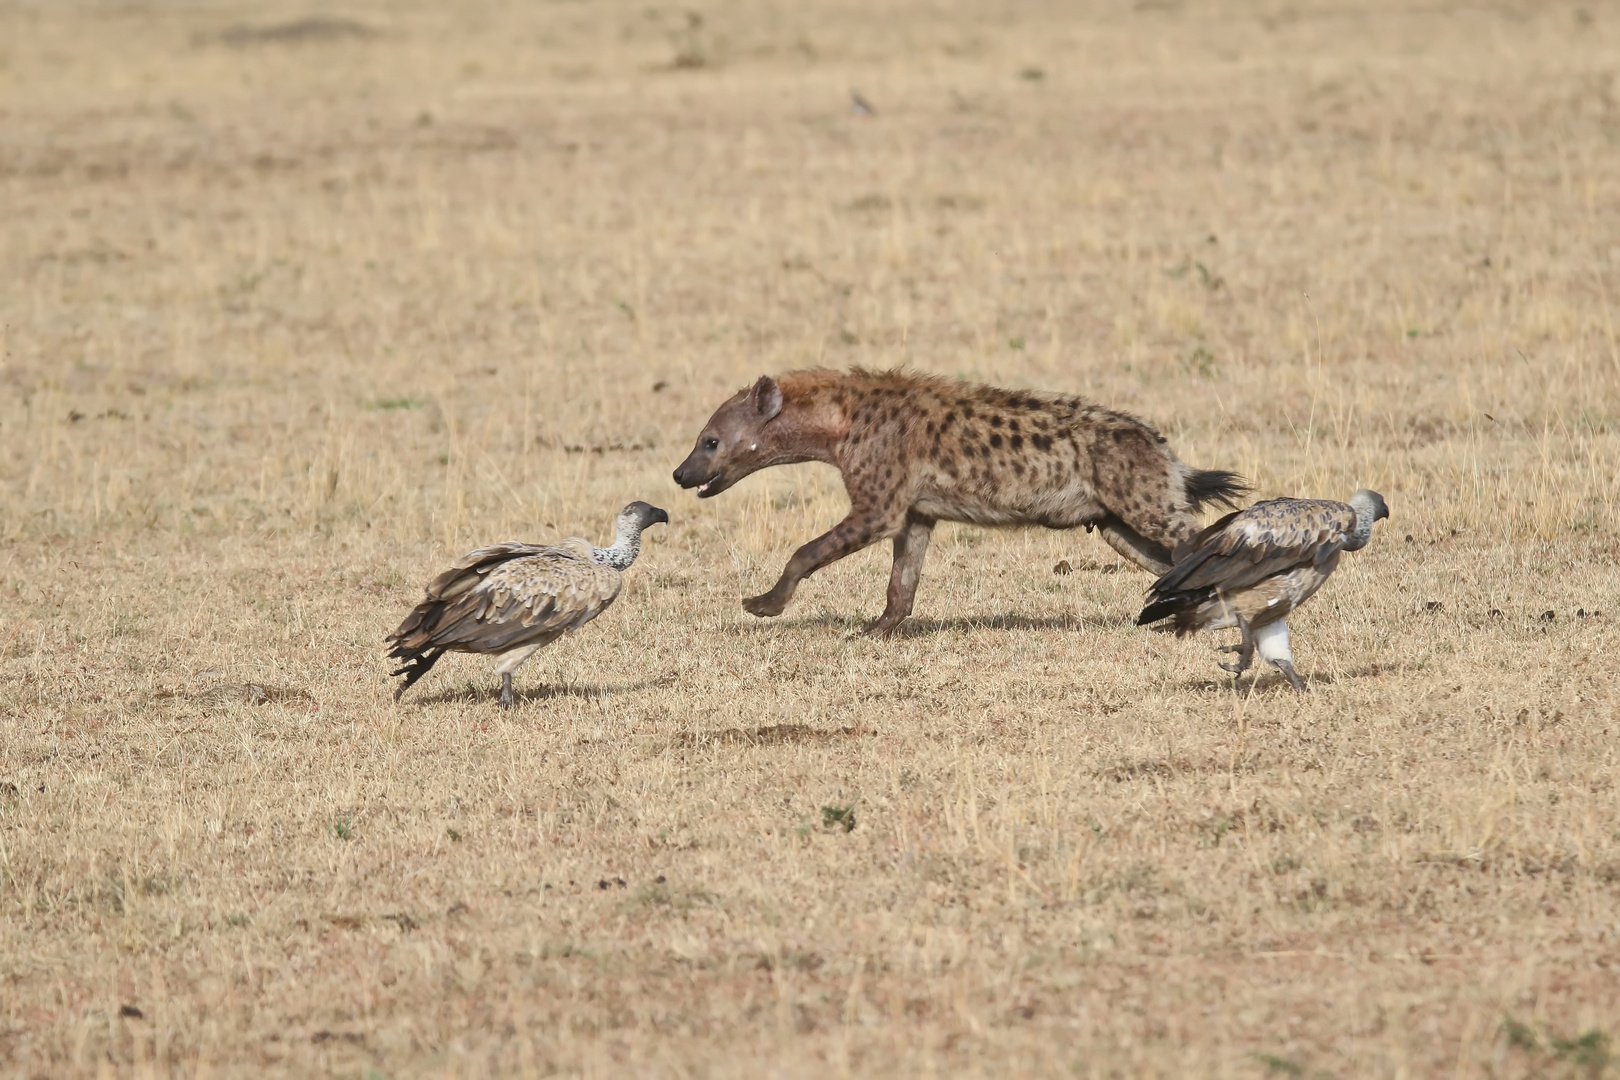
(525, 600)
(470, 569)
(1187, 547)
(1268, 538)
(418, 628)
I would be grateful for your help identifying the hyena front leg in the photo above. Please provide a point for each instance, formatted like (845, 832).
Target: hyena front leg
(910, 548)
(846, 538)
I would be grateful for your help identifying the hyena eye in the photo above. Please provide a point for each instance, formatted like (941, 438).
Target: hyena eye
(711, 444)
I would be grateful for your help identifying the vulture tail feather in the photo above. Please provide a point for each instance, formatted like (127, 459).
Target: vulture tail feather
(1154, 612)
(416, 665)
(1180, 606)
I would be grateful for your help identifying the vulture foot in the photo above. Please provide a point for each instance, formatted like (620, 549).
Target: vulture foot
(1245, 651)
(507, 700)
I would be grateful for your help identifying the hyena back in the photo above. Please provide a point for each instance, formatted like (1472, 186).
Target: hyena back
(917, 449)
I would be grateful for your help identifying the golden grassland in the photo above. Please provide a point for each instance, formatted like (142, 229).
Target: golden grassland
(296, 308)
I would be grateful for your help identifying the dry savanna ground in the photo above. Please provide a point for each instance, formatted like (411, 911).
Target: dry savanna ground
(300, 302)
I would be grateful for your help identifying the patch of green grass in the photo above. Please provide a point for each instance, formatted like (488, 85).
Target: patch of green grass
(1587, 1053)
(1589, 1050)
(1277, 1065)
(835, 816)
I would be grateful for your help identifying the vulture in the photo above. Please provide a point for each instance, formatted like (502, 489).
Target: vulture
(510, 600)
(1253, 567)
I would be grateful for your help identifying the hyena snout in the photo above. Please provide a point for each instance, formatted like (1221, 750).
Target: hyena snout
(700, 470)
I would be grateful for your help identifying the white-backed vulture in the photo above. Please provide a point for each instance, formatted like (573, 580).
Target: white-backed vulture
(1253, 567)
(510, 600)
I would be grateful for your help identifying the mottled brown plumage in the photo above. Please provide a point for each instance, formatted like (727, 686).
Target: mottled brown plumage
(510, 600)
(1253, 567)
(916, 449)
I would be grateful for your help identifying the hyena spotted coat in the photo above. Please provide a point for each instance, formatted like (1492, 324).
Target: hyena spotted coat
(916, 449)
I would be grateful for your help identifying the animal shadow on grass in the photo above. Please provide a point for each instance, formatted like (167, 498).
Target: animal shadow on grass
(250, 693)
(316, 28)
(1269, 678)
(772, 734)
(537, 693)
(914, 627)
(921, 627)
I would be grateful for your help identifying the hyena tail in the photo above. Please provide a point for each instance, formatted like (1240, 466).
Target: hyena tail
(1214, 485)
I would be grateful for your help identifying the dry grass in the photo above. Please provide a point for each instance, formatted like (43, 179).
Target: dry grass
(296, 309)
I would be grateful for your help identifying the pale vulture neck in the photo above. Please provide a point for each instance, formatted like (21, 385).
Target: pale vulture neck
(1363, 530)
(626, 546)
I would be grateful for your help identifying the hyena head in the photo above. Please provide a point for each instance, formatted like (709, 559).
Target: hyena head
(728, 448)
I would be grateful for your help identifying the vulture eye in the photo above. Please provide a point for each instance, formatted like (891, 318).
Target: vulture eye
(711, 444)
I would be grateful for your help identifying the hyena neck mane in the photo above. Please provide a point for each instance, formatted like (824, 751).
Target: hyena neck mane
(814, 418)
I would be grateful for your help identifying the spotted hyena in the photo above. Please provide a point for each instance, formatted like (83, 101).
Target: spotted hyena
(916, 449)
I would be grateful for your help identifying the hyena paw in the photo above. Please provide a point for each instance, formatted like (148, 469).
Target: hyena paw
(764, 606)
(880, 627)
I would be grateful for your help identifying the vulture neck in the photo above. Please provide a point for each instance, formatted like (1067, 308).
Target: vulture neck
(626, 546)
(1363, 530)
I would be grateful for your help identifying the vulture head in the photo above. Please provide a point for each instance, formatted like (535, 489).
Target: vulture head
(638, 515)
(1370, 504)
(1369, 507)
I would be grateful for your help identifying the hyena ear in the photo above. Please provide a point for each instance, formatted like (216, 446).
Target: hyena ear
(766, 398)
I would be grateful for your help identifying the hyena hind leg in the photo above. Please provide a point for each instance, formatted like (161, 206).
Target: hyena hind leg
(1150, 555)
(910, 548)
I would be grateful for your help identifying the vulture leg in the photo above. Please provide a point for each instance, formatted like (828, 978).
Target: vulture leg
(1273, 642)
(1287, 668)
(1244, 649)
(510, 662)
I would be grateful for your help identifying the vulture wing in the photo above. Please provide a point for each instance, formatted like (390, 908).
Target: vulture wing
(1245, 548)
(506, 596)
